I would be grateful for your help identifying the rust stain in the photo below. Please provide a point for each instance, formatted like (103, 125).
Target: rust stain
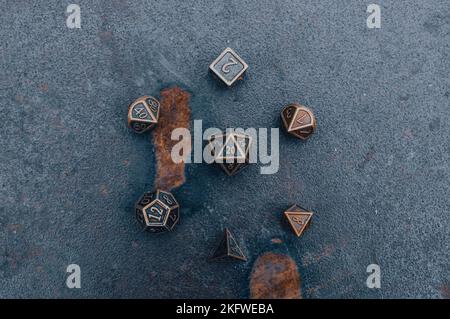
(174, 113)
(275, 276)
(276, 241)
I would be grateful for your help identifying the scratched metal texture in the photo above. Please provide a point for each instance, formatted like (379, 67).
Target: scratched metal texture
(376, 174)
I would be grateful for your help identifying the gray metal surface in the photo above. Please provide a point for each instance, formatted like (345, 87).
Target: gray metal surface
(376, 174)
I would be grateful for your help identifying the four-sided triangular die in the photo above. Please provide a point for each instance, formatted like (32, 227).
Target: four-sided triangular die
(228, 247)
(298, 218)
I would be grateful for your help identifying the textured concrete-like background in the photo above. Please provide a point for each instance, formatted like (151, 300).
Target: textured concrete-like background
(376, 173)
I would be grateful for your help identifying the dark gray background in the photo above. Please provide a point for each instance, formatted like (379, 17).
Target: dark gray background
(376, 174)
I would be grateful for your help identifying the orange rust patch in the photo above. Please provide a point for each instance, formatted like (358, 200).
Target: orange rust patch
(174, 113)
(276, 241)
(275, 276)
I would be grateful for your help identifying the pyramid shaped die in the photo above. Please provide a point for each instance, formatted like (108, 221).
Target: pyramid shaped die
(299, 219)
(228, 248)
(230, 151)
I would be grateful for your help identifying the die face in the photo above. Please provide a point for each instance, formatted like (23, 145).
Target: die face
(139, 112)
(303, 133)
(228, 248)
(298, 221)
(230, 147)
(153, 106)
(232, 168)
(172, 220)
(153, 228)
(228, 66)
(230, 151)
(145, 199)
(302, 119)
(242, 143)
(140, 127)
(235, 251)
(222, 249)
(298, 120)
(156, 213)
(143, 114)
(298, 218)
(287, 114)
(167, 199)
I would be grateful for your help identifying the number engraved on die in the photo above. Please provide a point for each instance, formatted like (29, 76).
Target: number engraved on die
(298, 220)
(167, 199)
(152, 105)
(301, 120)
(158, 211)
(230, 150)
(226, 67)
(289, 113)
(140, 112)
(139, 126)
(243, 143)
